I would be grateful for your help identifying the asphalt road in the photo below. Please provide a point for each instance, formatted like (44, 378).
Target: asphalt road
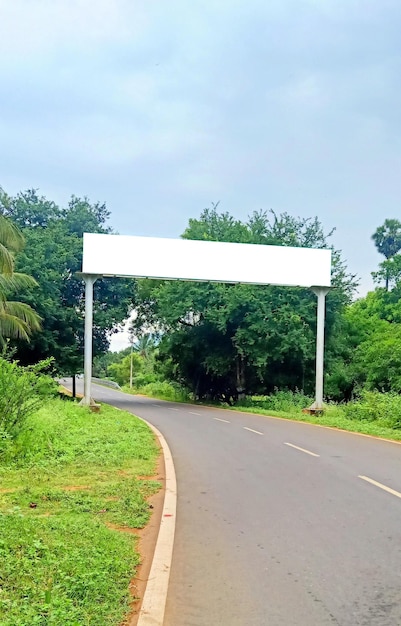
(278, 523)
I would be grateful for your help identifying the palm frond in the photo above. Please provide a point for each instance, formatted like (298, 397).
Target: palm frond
(14, 282)
(12, 327)
(24, 313)
(10, 235)
(6, 260)
(17, 319)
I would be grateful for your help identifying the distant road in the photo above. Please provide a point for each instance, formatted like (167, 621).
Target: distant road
(279, 523)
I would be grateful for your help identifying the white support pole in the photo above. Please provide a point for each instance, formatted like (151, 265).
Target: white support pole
(321, 293)
(88, 338)
(131, 366)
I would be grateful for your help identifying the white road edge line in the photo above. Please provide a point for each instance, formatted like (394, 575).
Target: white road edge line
(301, 449)
(253, 431)
(374, 482)
(218, 419)
(155, 597)
(192, 413)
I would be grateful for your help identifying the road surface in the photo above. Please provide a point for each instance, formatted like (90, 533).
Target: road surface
(278, 523)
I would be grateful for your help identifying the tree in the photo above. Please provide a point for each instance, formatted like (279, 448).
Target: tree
(359, 323)
(389, 272)
(17, 319)
(377, 361)
(221, 340)
(387, 239)
(53, 254)
(144, 345)
(120, 371)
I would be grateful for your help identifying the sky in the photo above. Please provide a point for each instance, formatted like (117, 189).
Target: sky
(162, 108)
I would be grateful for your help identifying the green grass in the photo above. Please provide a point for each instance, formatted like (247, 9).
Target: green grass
(68, 485)
(333, 416)
(373, 413)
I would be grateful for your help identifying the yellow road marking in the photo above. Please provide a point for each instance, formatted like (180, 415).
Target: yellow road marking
(253, 431)
(301, 449)
(388, 489)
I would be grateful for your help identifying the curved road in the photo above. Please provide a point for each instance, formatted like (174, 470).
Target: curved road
(278, 523)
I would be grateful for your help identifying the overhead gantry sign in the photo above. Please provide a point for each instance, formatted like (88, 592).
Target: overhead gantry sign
(185, 259)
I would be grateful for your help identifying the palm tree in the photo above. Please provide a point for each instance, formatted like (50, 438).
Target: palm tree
(17, 319)
(144, 345)
(387, 239)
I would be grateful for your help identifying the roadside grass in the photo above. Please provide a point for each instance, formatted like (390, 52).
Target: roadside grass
(69, 485)
(376, 414)
(333, 417)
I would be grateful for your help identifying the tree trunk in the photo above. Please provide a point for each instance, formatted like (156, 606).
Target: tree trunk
(197, 386)
(240, 377)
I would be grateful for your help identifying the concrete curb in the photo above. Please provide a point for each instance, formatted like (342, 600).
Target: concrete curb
(155, 597)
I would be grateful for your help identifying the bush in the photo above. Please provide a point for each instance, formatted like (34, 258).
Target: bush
(22, 391)
(373, 406)
(289, 401)
(165, 391)
(144, 379)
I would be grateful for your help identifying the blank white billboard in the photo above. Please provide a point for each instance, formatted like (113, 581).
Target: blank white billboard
(185, 259)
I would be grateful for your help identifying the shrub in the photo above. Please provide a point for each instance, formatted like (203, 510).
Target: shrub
(144, 379)
(373, 406)
(165, 391)
(22, 391)
(289, 401)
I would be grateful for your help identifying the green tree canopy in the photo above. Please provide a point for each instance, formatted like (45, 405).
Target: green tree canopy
(52, 255)
(387, 238)
(222, 339)
(389, 272)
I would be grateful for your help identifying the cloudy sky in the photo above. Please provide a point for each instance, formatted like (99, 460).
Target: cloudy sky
(161, 108)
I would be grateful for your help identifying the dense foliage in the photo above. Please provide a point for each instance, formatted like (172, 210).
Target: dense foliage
(52, 255)
(223, 340)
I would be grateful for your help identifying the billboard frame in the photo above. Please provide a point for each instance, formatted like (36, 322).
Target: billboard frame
(179, 259)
